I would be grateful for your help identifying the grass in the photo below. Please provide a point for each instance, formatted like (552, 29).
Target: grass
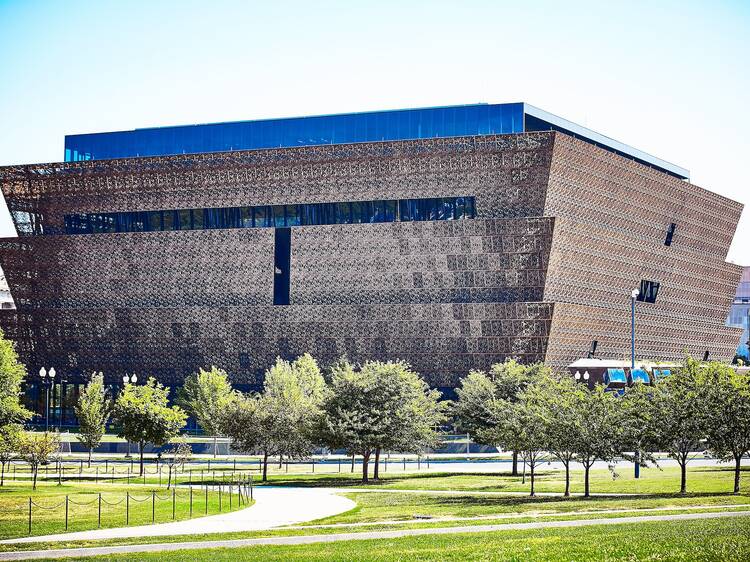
(653, 481)
(381, 506)
(714, 539)
(48, 509)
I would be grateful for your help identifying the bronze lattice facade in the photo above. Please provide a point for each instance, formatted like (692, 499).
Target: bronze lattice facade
(562, 232)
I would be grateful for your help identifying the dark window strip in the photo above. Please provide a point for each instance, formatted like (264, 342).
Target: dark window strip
(274, 216)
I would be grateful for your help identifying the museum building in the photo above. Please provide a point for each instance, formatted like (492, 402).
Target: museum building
(449, 237)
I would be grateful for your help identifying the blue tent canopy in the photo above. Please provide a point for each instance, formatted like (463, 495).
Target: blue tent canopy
(615, 377)
(639, 375)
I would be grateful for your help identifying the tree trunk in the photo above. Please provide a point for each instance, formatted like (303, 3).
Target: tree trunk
(90, 451)
(737, 460)
(514, 469)
(216, 445)
(567, 479)
(141, 445)
(531, 466)
(683, 476)
(281, 461)
(169, 478)
(365, 460)
(375, 472)
(35, 470)
(352, 463)
(586, 468)
(2, 476)
(523, 474)
(265, 466)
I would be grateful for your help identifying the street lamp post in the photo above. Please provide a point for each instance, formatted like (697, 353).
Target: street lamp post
(129, 379)
(634, 295)
(48, 379)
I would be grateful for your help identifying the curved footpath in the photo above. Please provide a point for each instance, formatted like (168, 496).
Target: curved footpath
(274, 507)
(309, 539)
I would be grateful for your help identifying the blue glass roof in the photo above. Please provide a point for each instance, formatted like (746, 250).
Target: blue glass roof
(390, 125)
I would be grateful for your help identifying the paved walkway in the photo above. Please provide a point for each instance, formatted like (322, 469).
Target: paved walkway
(274, 507)
(310, 539)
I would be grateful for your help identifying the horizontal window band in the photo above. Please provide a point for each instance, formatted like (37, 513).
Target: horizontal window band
(274, 216)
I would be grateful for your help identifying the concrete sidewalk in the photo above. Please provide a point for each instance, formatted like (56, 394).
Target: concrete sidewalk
(310, 539)
(274, 507)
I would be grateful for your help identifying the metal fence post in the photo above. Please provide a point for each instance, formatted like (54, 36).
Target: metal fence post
(251, 486)
(219, 498)
(127, 508)
(66, 512)
(29, 514)
(206, 488)
(99, 519)
(174, 493)
(191, 501)
(230, 496)
(153, 507)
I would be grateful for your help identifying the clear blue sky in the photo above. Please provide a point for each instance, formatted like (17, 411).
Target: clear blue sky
(670, 78)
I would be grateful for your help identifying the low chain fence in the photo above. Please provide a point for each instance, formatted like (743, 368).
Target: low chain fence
(116, 510)
(202, 471)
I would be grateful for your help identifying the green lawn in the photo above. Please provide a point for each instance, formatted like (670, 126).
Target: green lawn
(652, 481)
(382, 506)
(715, 539)
(48, 509)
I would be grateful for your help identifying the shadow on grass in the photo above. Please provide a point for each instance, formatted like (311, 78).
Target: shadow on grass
(328, 480)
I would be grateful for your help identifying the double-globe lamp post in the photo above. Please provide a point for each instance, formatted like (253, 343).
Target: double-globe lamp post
(633, 296)
(48, 379)
(129, 379)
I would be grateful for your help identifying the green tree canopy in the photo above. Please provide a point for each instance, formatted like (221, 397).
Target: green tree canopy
(477, 407)
(681, 414)
(381, 406)
(10, 440)
(12, 374)
(280, 420)
(37, 449)
(205, 395)
(728, 429)
(143, 415)
(92, 410)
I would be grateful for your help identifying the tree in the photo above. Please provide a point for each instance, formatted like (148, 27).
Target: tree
(205, 395)
(12, 374)
(177, 455)
(92, 410)
(520, 426)
(280, 420)
(10, 436)
(37, 449)
(478, 390)
(681, 409)
(382, 405)
(596, 430)
(412, 411)
(557, 396)
(728, 427)
(142, 415)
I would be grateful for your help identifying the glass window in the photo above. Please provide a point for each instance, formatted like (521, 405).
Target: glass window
(343, 213)
(186, 222)
(168, 220)
(279, 215)
(247, 217)
(154, 221)
(198, 219)
(670, 234)
(293, 213)
(648, 291)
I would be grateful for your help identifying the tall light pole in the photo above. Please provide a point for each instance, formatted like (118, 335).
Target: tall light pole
(129, 379)
(634, 295)
(48, 379)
